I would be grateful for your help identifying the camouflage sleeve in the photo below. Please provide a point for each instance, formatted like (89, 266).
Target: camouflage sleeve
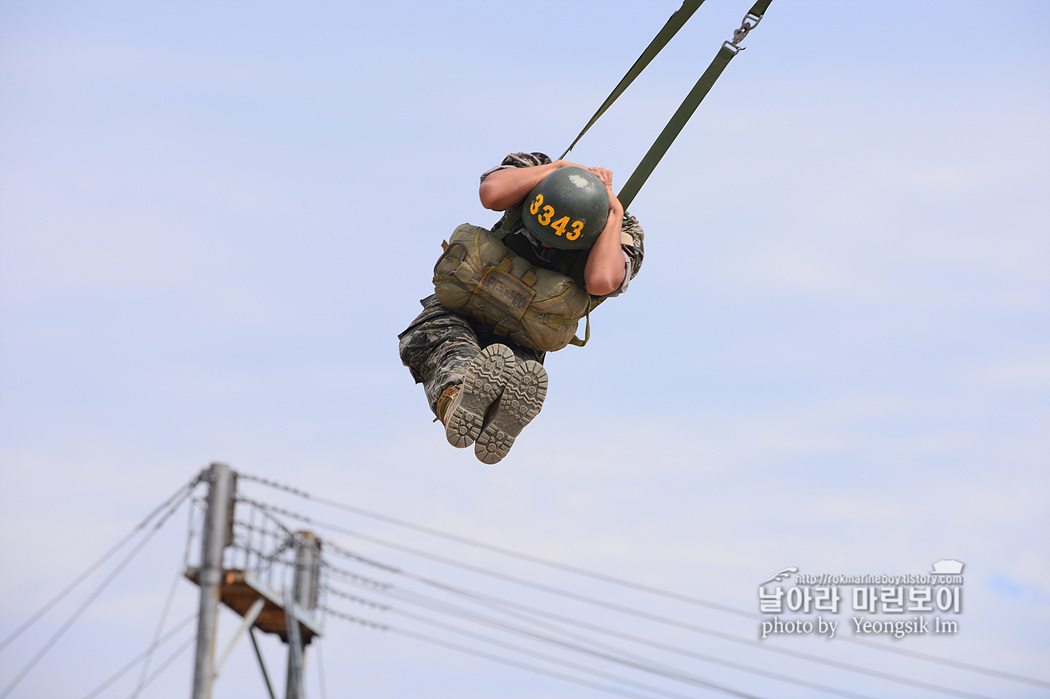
(519, 160)
(632, 240)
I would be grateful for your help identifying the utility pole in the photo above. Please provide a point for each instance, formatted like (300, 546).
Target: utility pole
(288, 610)
(218, 520)
(304, 597)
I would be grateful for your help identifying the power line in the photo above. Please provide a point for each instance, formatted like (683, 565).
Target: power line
(620, 581)
(95, 566)
(168, 661)
(91, 598)
(623, 657)
(138, 659)
(644, 664)
(160, 628)
(498, 549)
(630, 660)
(625, 610)
(359, 579)
(482, 654)
(644, 667)
(444, 643)
(359, 600)
(496, 602)
(947, 662)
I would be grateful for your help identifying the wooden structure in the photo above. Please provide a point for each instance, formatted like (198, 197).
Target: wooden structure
(240, 589)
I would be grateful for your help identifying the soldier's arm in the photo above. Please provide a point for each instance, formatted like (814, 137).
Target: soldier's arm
(505, 188)
(606, 267)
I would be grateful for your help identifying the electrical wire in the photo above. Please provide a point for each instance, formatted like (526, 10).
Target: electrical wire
(262, 664)
(620, 581)
(644, 664)
(429, 602)
(620, 608)
(160, 629)
(501, 605)
(138, 659)
(946, 662)
(91, 598)
(496, 549)
(168, 661)
(609, 653)
(446, 644)
(96, 565)
(435, 605)
(644, 667)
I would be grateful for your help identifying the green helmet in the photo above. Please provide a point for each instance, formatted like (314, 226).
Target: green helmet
(567, 209)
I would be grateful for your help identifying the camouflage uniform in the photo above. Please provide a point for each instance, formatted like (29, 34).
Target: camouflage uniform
(439, 343)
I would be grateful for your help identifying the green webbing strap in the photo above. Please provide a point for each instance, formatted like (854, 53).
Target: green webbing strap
(676, 21)
(759, 8)
(577, 342)
(689, 105)
(674, 126)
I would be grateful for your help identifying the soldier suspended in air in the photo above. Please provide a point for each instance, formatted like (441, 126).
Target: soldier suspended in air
(505, 297)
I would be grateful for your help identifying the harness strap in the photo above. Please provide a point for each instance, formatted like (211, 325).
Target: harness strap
(504, 264)
(674, 127)
(692, 100)
(674, 23)
(690, 103)
(577, 342)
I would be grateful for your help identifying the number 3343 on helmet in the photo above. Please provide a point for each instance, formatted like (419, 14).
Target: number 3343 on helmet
(567, 209)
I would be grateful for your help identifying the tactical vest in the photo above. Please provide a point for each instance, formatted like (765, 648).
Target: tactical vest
(479, 276)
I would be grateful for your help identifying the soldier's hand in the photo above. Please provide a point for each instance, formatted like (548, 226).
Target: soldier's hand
(604, 175)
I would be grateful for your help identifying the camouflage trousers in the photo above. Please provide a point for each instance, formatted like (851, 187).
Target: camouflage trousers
(439, 344)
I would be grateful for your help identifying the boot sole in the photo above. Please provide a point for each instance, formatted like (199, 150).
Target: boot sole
(521, 402)
(483, 382)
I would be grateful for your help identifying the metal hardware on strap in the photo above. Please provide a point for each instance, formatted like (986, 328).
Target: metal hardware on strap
(676, 21)
(738, 34)
(726, 53)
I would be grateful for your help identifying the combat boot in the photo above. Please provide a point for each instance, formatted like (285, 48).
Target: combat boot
(521, 401)
(483, 382)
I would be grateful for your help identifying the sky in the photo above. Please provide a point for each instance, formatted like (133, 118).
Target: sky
(215, 218)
